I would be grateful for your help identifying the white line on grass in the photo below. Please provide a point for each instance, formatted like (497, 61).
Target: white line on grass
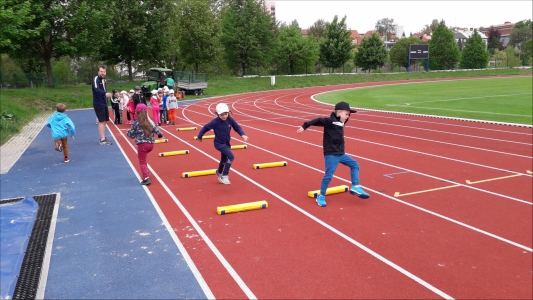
(469, 98)
(469, 111)
(186, 257)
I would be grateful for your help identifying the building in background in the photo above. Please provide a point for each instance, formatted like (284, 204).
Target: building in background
(505, 29)
(271, 8)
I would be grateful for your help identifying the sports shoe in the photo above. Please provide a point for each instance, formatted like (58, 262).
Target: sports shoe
(146, 181)
(219, 176)
(66, 159)
(59, 147)
(224, 179)
(321, 200)
(105, 142)
(358, 191)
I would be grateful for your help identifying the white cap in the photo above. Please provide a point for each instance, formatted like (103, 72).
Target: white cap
(222, 108)
(165, 89)
(171, 91)
(154, 92)
(132, 91)
(123, 92)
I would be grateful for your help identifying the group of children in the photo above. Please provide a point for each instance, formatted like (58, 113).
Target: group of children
(143, 130)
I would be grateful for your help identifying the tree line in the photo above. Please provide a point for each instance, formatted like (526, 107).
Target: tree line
(235, 37)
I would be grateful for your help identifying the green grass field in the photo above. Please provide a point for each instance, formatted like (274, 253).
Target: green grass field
(496, 99)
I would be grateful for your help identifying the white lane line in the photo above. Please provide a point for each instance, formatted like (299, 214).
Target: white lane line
(331, 228)
(390, 197)
(185, 254)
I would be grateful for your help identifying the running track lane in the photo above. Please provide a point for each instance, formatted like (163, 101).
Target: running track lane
(402, 240)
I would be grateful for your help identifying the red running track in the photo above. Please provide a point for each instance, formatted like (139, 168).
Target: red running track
(450, 213)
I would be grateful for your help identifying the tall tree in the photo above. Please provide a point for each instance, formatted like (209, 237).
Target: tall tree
(318, 29)
(247, 34)
(524, 23)
(518, 37)
(371, 53)
(444, 53)
(13, 16)
(294, 52)
(494, 40)
(73, 28)
(336, 48)
(385, 27)
(474, 55)
(528, 51)
(199, 31)
(399, 53)
(139, 32)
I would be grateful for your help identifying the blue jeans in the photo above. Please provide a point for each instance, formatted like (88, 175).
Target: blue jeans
(226, 158)
(331, 162)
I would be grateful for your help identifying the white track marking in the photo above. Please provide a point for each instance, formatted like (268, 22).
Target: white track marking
(185, 254)
(331, 228)
(390, 197)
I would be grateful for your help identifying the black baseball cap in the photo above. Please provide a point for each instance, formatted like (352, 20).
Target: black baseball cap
(344, 106)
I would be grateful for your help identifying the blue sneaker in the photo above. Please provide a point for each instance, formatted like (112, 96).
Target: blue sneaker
(358, 191)
(321, 200)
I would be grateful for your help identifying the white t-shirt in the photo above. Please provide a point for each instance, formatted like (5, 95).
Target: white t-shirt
(172, 102)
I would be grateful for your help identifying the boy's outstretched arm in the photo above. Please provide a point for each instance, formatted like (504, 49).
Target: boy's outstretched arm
(300, 130)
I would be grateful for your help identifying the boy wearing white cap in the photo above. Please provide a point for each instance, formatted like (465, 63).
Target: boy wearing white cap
(333, 144)
(222, 125)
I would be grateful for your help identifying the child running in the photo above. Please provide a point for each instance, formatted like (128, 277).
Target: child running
(143, 131)
(222, 125)
(333, 143)
(61, 125)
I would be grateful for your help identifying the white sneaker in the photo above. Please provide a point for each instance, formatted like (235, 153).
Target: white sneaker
(224, 179)
(219, 176)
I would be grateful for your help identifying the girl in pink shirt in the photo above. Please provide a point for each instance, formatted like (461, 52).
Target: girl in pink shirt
(154, 102)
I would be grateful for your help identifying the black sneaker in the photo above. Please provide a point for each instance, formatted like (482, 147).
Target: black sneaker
(105, 142)
(146, 181)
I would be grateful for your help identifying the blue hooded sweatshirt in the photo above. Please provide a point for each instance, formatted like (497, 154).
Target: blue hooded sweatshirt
(60, 125)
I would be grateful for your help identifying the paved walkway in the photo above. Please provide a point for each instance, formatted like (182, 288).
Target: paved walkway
(16, 145)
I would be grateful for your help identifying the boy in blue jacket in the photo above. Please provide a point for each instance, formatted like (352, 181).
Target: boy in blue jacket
(222, 125)
(333, 143)
(61, 125)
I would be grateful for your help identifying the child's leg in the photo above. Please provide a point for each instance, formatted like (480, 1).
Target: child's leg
(142, 153)
(64, 143)
(128, 115)
(229, 160)
(155, 112)
(354, 167)
(222, 163)
(120, 116)
(331, 162)
(56, 144)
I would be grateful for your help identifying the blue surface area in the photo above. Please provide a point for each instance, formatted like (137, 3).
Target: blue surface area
(16, 224)
(109, 241)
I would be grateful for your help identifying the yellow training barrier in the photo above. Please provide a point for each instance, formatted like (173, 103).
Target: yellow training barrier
(239, 147)
(331, 190)
(185, 128)
(270, 165)
(172, 153)
(206, 137)
(198, 173)
(222, 210)
(161, 141)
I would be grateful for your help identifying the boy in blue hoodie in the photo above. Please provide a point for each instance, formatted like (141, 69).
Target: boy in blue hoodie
(333, 143)
(61, 125)
(222, 125)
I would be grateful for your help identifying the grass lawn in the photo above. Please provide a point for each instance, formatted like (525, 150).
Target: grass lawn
(25, 104)
(496, 99)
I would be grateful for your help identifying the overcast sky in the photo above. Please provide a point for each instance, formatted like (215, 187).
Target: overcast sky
(412, 15)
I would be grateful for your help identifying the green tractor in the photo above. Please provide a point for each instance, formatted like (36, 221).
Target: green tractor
(190, 83)
(157, 77)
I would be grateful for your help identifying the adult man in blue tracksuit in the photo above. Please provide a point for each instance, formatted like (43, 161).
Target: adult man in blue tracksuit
(100, 96)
